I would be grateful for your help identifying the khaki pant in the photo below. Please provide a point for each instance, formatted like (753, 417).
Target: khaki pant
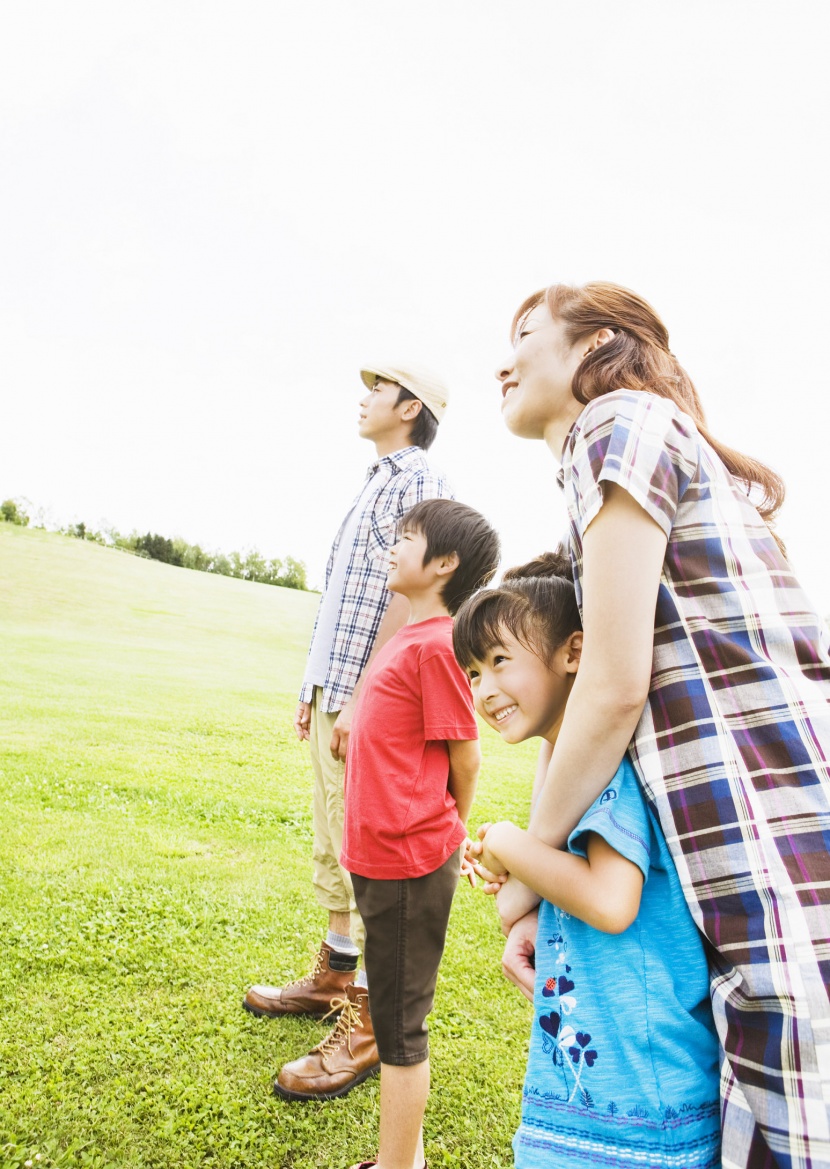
(332, 884)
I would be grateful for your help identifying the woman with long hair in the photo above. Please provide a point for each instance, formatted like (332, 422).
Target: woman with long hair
(704, 659)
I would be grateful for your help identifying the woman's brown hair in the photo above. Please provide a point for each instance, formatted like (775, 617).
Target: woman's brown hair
(638, 358)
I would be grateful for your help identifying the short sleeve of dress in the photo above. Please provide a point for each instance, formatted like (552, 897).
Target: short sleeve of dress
(620, 817)
(643, 443)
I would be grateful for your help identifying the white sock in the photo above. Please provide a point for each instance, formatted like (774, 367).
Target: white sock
(342, 943)
(361, 979)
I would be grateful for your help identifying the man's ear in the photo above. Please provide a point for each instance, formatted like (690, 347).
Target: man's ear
(572, 651)
(447, 564)
(411, 409)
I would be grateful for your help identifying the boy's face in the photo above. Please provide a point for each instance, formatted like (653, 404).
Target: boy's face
(407, 573)
(517, 693)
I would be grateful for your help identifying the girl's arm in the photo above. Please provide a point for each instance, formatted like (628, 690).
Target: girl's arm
(603, 890)
(524, 898)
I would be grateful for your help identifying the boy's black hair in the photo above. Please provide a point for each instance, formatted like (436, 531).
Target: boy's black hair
(535, 604)
(425, 427)
(449, 526)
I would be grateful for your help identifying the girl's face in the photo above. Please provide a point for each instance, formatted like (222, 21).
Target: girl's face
(536, 381)
(518, 694)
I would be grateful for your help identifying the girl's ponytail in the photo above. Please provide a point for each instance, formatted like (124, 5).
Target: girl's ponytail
(535, 604)
(548, 564)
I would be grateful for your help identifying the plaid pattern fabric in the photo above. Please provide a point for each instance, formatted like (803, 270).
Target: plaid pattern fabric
(733, 750)
(400, 480)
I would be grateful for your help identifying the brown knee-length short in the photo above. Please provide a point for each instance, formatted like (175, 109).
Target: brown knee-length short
(406, 928)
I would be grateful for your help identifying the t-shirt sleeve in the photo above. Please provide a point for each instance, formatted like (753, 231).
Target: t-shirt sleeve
(620, 817)
(447, 699)
(639, 441)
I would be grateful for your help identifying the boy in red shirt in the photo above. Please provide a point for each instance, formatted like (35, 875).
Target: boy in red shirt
(411, 772)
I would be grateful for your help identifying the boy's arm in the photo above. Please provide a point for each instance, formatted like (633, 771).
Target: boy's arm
(465, 762)
(603, 890)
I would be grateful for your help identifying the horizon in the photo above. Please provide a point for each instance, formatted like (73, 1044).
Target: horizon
(202, 249)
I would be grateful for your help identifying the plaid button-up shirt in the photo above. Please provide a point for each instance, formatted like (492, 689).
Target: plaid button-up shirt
(733, 750)
(399, 481)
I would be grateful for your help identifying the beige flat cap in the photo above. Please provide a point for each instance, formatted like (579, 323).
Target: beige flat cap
(425, 385)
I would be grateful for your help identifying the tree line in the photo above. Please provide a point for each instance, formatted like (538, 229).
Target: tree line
(252, 565)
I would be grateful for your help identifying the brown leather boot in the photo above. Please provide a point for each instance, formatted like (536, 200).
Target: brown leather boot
(309, 995)
(345, 1058)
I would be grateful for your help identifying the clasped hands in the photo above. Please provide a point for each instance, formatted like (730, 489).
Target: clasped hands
(514, 900)
(480, 859)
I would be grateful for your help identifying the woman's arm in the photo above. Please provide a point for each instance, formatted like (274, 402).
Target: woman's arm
(542, 765)
(603, 890)
(518, 962)
(622, 560)
(623, 552)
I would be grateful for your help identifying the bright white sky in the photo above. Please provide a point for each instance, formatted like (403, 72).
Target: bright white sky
(212, 213)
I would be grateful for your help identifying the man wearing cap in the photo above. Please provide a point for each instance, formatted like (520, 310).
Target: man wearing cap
(357, 615)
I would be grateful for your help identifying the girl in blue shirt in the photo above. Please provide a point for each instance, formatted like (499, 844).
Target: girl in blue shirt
(623, 1063)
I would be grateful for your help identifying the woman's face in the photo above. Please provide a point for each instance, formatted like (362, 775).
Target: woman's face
(536, 382)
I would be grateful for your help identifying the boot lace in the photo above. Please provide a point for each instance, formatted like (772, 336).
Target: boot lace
(318, 969)
(343, 1029)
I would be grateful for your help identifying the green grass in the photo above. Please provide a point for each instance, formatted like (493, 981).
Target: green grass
(155, 842)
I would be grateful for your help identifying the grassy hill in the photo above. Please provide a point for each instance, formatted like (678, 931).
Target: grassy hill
(155, 844)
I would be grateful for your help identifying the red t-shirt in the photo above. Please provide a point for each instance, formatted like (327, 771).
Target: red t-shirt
(400, 819)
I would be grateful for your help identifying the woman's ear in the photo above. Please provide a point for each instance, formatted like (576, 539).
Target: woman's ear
(573, 651)
(601, 337)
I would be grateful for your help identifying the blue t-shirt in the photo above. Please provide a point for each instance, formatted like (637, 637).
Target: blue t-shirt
(623, 1063)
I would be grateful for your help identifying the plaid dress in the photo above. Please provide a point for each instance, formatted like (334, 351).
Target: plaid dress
(733, 752)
